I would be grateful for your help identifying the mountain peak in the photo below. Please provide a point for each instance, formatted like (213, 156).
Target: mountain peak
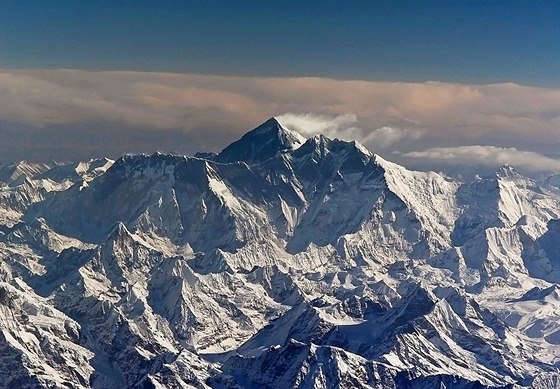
(12, 171)
(507, 171)
(271, 123)
(261, 144)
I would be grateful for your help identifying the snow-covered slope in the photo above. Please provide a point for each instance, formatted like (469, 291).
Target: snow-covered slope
(25, 183)
(279, 262)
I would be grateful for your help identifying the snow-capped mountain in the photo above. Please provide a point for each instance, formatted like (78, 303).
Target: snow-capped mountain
(279, 262)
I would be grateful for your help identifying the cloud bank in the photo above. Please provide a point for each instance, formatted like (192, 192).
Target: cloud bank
(488, 156)
(344, 127)
(209, 111)
(311, 123)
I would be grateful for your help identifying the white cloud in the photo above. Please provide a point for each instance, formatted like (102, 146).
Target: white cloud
(389, 136)
(393, 115)
(309, 124)
(488, 156)
(345, 127)
(166, 100)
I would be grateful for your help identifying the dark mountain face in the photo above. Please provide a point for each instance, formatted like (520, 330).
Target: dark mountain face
(265, 142)
(279, 262)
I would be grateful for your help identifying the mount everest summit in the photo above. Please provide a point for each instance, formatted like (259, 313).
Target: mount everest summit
(280, 262)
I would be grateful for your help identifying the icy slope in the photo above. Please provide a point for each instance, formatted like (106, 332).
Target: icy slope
(25, 183)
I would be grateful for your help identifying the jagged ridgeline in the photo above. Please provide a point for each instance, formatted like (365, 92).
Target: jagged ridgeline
(280, 262)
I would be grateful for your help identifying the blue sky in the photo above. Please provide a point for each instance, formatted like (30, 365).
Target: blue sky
(443, 85)
(456, 41)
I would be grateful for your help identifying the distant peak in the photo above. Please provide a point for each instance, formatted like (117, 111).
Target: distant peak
(265, 142)
(117, 232)
(271, 123)
(507, 171)
(271, 126)
(323, 143)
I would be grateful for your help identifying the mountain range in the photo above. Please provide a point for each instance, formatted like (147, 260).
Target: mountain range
(280, 262)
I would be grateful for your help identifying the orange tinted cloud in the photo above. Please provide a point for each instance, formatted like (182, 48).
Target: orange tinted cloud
(385, 114)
